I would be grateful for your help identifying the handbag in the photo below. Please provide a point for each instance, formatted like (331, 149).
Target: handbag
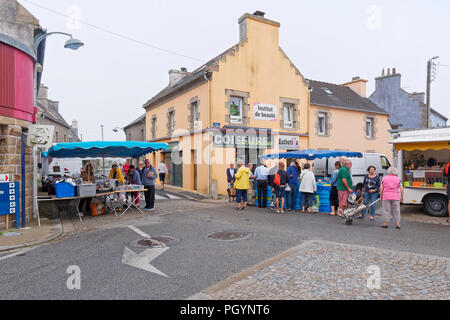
(288, 188)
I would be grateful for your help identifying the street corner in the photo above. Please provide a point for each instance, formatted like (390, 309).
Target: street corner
(320, 270)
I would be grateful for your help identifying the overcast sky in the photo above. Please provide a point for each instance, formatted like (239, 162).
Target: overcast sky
(109, 79)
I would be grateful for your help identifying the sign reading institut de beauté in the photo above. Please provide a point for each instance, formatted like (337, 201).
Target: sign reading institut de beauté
(263, 111)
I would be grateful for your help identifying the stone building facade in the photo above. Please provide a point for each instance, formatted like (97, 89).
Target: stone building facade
(18, 29)
(135, 131)
(407, 110)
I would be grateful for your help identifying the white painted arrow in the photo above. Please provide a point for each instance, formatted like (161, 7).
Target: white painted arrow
(143, 259)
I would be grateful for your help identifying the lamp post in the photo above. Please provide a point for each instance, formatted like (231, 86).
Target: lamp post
(73, 44)
(116, 129)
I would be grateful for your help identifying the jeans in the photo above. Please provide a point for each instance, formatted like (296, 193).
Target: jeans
(307, 199)
(149, 197)
(368, 199)
(241, 194)
(291, 196)
(262, 193)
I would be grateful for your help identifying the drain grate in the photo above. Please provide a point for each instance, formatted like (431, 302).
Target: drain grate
(229, 235)
(155, 241)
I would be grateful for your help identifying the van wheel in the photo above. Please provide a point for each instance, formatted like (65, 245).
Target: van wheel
(436, 205)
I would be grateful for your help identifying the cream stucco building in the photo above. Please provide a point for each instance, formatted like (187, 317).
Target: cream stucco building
(248, 101)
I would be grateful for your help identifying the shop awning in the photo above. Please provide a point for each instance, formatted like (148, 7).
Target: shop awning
(311, 154)
(104, 149)
(433, 145)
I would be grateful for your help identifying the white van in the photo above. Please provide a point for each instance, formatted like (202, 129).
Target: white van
(324, 167)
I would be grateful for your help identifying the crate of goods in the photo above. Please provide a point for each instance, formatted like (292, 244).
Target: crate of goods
(64, 190)
(86, 190)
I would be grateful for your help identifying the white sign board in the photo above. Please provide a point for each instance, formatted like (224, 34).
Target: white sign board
(288, 142)
(6, 177)
(263, 111)
(419, 174)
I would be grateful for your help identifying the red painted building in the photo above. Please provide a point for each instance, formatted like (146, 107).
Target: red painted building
(16, 83)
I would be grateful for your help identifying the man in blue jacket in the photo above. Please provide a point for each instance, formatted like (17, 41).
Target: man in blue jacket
(148, 177)
(292, 173)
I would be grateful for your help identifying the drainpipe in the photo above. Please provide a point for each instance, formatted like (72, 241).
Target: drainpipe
(209, 126)
(23, 180)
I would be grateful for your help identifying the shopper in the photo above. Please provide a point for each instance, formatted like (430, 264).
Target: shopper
(250, 192)
(133, 177)
(148, 177)
(391, 197)
(116, 173)
(261, 175)
(242, 185)
(280, 182)
(291, 195)
(140, 167)
(162, 168)
(307, 187)
(447, 174)
(371, 189)
(334, 199)
(87, 176)
(231, 172)
(344, 186)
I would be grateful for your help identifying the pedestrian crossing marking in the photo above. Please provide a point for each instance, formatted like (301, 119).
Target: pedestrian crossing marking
(172, 196)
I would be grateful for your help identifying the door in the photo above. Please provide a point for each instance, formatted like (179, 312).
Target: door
(175, 176)
(194, 161)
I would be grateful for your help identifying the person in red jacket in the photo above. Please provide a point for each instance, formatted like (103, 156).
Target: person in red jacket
(447, 173)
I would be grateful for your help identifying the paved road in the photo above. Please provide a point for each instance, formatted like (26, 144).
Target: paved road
(196, 262)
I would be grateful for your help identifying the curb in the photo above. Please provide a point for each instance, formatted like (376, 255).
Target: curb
(56, 235)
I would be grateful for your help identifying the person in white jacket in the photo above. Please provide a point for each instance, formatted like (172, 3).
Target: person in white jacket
(307, 187)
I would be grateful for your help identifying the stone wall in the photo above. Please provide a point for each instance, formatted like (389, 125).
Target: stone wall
(10, 160)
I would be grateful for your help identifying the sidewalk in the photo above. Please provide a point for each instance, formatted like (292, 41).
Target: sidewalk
(31, 235)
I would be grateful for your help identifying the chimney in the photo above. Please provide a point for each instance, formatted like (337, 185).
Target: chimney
(176, 75)
(255, 26)
(75, 126)
(43, 92)
(388, 80)
(358, 85)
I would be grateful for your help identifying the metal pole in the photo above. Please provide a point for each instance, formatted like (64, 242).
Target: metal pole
(427, 125)
(35, 202)
(23, 180)
(102, 132)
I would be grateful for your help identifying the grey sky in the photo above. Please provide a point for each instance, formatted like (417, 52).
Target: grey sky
(108, 80)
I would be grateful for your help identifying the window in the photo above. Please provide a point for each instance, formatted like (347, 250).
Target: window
(322, 123)
(328, 91)
(195, 115)
(385, 163)
(129, 136)
(288, 115)
(153, 127)
(171, 122)
(56, 136)
(236, 110)
(369, 127)
(142, 135)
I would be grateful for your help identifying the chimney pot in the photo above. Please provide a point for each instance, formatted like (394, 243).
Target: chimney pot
(389, 71)
(259, 13)
(184, 69)
(393, 71)
(382, 72)
(355, 78)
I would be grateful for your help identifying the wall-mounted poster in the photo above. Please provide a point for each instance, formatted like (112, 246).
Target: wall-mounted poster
(263, 111)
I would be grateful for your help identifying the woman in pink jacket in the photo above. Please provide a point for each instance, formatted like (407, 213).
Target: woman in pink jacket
(391, 198)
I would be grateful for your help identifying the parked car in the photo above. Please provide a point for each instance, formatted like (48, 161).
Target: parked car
(325, 167)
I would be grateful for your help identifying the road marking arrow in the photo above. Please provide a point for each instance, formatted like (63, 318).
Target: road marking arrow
(143, 259)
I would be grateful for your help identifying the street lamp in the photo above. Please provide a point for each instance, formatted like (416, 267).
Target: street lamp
(72, 44)
(116, 129)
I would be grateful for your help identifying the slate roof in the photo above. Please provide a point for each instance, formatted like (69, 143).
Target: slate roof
(197, 74)
(52, 114)
(142, 117)
(341, 97)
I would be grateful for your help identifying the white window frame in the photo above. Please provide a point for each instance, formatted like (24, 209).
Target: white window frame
(290, 112)
(233, 118)
(195, 117)
(369, 125)
(322, 115)
(171, 121)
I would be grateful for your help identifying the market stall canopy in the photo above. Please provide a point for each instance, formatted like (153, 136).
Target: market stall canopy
(104, 149)
(311, 154)
(425, 139)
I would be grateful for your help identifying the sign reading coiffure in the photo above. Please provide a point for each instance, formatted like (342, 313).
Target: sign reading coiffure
(288, 142)
(263, 111)
(243, 139)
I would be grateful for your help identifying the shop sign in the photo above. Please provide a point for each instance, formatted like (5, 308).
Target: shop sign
(6, 177)
(216, 125)
(263, 111)
(288, 142)
(233, 139)
(173, 146)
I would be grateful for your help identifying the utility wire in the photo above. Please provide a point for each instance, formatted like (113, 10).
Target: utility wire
(114, 33)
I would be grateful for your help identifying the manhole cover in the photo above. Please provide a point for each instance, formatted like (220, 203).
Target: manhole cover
(155, 241)
(229, 235)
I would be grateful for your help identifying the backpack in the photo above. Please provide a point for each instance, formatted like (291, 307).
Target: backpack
(277, 180)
